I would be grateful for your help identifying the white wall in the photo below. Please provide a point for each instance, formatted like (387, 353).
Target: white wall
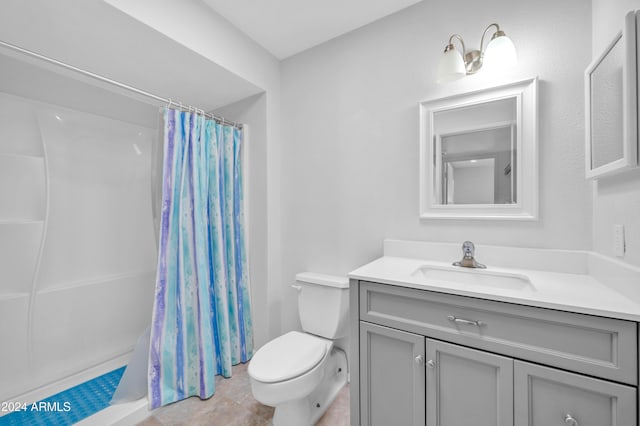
(350, 148)
(198, 28)
(616, 200)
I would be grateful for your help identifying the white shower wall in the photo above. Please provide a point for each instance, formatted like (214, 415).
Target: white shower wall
(77, 248)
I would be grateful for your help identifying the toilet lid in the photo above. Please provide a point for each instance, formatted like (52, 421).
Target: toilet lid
(286, 357)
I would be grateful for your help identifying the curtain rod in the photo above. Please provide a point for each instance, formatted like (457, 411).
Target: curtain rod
(103, 79)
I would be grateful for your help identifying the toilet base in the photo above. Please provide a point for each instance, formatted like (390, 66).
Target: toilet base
(307, 411)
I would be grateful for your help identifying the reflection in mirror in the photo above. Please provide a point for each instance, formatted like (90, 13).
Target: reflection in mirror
(606, 109)
(479, 154)
(476, 161)
(469, 181)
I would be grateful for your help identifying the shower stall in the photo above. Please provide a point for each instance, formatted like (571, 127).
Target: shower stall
(77, 245)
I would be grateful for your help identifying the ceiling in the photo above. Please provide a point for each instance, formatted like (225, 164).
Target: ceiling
(287, 27)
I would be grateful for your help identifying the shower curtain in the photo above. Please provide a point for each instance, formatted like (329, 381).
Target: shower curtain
(201, 322)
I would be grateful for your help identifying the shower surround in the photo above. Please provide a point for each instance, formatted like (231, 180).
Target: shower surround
(77, 246)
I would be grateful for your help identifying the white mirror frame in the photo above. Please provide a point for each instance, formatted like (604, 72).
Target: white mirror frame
(526, 208)
(629, 142)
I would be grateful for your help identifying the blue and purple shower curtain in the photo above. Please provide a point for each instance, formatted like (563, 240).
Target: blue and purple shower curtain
(201, 323)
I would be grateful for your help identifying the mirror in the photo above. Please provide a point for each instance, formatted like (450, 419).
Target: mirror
(477, 165)
(611, 143)
(478, 154)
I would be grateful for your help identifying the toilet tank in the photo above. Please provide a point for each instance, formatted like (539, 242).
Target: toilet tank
(323, 304)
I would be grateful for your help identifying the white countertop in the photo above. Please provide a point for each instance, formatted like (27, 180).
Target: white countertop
(593, 284)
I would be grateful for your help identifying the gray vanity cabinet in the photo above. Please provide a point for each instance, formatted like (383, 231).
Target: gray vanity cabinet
(465, 384)
(393, 369)
(393, 391)
(436, 359)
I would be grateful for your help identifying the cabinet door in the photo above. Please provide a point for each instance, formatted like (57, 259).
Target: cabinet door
(391, 376)
(547, 397)
(468, 387)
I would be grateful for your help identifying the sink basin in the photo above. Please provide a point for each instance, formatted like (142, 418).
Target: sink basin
(472, 277)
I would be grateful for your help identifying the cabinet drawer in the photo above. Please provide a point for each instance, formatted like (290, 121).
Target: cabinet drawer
(596, 346)
(546, 396)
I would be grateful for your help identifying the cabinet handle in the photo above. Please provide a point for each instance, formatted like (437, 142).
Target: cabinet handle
(419, 359)
(570, 421)
(465, 321)
(431, 363)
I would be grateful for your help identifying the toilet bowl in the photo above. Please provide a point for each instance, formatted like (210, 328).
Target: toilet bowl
(289, 367)
(300, 373)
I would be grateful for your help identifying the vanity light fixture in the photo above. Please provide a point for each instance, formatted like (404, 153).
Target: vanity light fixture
(499, 54)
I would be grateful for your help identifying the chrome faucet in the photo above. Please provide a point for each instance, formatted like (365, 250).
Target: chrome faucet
(468, 261)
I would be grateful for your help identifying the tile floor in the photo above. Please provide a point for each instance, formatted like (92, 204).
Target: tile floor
(233, 405)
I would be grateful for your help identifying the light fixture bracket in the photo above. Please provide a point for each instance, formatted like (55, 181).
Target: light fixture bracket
(473, 61)
(498, 33)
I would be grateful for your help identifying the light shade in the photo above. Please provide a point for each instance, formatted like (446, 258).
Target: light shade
(451, 66)
(500, 54)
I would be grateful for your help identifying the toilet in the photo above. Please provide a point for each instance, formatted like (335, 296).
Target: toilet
(300, 373)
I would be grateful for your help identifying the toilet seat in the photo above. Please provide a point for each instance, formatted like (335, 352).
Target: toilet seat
(287, 357)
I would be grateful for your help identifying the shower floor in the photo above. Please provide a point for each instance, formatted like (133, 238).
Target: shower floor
(69, 406)
(233, 404)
